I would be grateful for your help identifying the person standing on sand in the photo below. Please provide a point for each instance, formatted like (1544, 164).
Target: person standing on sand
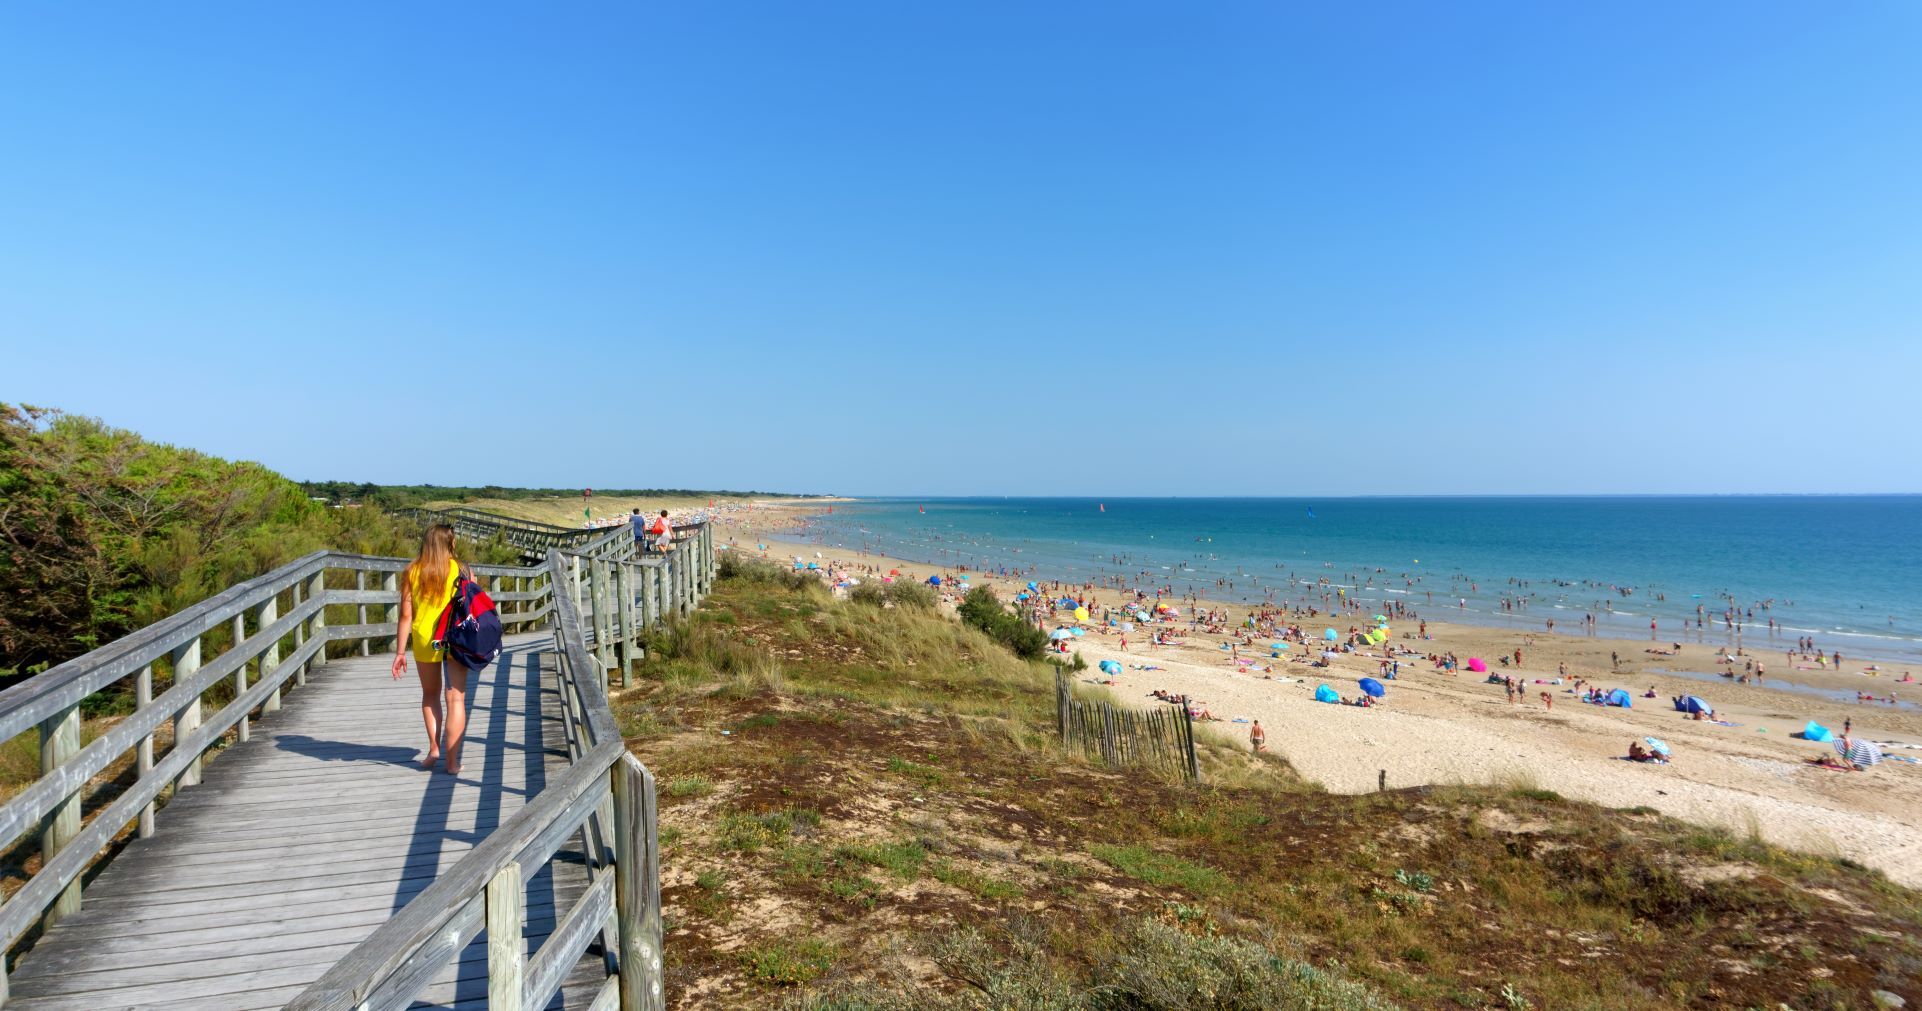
(1257, 738)
(426, 587)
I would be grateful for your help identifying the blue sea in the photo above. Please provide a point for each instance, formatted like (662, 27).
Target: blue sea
(1843, 569)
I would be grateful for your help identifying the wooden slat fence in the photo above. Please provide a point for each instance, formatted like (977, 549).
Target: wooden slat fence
(1161, 739)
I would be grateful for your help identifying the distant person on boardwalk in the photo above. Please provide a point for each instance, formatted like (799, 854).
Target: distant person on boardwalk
(425, 588)
(638, 524)
(663, 532)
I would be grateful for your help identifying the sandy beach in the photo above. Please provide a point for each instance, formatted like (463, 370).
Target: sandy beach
(1437, 727)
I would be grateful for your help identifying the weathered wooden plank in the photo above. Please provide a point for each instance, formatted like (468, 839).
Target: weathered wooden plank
(562, 949)
(506, 948)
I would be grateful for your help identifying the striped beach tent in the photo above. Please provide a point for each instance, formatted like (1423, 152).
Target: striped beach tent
(1862, 753)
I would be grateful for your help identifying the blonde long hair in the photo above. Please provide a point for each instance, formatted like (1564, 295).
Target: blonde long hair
(427, 573)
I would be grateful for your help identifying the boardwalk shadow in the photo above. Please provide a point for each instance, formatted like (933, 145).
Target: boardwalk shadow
(347, 751)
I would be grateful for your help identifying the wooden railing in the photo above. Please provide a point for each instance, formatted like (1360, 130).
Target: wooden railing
(534, 539)
(263, 638)
(606, 796)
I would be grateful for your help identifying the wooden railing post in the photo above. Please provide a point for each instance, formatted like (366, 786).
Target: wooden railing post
(687, 581)
(707, 559)
(506, 948)
(391, 583)
(316, 588)
(186, 661)
(637, 888)
(240, 672)
(360, 583)
(624, 609)
(142, 698)
(300, 634)
(268, 614)
(650, 596)
(576, 565)
(59, 742)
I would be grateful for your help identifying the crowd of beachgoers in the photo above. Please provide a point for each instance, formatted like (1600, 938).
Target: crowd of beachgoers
(1448, 702)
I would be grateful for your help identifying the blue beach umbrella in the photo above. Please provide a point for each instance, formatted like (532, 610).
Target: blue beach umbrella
(1060, 633)
(1110, 666)
(1066, 602)
(1372, 687)
(1658, 745)
(1330, 634)
(1077, 632)
(1323, 693)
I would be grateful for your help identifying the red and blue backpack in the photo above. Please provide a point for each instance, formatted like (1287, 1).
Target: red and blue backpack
(470, 627)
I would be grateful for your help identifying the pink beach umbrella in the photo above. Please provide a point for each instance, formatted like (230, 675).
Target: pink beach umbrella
(1477, 665)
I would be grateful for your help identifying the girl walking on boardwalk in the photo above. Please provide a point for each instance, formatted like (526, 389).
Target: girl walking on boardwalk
(426, 586)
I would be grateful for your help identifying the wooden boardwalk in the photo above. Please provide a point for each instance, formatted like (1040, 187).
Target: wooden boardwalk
(300, 842)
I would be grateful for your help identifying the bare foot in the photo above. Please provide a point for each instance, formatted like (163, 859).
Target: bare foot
(428, 762)
(453, 766)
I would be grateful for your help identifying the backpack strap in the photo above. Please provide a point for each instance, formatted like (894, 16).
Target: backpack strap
(447, 610)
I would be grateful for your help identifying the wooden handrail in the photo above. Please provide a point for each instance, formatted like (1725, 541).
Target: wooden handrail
(599, 600)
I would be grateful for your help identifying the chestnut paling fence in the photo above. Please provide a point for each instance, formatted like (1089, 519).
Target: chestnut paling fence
(1162, 738)
(202, 680)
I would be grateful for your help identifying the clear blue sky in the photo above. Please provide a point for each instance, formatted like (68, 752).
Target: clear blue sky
(1072, 248)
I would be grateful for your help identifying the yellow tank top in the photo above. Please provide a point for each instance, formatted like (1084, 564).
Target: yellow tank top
(427, 609)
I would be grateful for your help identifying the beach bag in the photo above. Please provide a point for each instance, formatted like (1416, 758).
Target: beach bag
(470, 626)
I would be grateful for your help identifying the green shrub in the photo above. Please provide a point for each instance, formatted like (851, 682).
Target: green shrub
(788, 962)
(1163, 968)
(1153, 967)
(731, 565)
(983, 610)
(868, 595)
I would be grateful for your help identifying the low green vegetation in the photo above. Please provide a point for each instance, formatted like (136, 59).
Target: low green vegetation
(1146, 865)
(107, 532)
(983, 610)
(787, 962)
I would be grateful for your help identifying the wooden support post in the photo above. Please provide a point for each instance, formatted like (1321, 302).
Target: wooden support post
(624, 608)
(186, 661)
(707, 559)
(577, 584)
(300, 628)
(316, 590)
(637, 887)
(59, 742)
(650, 598)
(142, 698)
(360, 583)
(687, 581)
(390, 581)
(595, 586)
(268, 614)
(240, 673)
(506, 948)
